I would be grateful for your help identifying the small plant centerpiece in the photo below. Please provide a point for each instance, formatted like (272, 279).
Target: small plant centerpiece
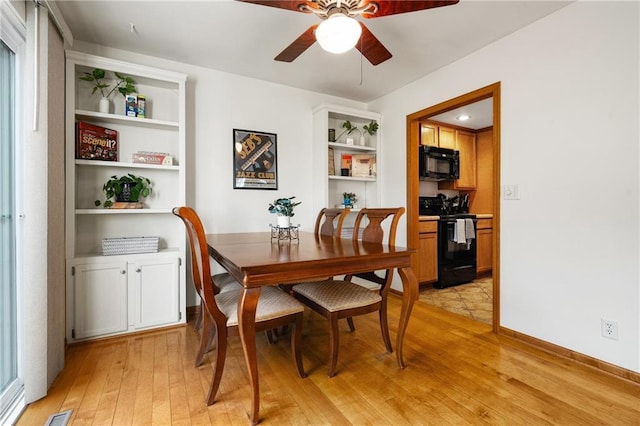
(370, 129)
(283, 207)
(349, 200)
(126, 190)
(122, 84)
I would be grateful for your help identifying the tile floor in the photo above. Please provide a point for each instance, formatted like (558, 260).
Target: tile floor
(473, 300)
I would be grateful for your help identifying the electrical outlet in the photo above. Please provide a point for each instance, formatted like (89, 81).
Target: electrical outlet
(609, 329)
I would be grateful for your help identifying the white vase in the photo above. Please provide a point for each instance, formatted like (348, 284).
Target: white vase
(104, 105)
(363, 141)
(284, 221)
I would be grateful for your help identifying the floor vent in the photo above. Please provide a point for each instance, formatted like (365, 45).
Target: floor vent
(59, 419)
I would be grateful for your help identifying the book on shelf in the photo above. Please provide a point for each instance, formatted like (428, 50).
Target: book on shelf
(345, 164)
(150, 157)
(96, 142)
(126, 205)
(332, 164)
(363, 165)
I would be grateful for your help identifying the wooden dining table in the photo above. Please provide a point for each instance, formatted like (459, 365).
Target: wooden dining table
(256, 259)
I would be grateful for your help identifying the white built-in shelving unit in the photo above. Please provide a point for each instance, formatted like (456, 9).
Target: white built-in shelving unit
(109, 295)
(329, 188)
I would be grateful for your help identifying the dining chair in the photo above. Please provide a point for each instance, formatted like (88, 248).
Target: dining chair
(275, 307)
(328, 223)
(222, 282)
(336, 299)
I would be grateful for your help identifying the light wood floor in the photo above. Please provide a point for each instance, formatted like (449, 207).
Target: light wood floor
(458, 373)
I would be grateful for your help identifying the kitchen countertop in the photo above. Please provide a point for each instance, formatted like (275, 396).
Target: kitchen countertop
(478, 216)
(425, 218)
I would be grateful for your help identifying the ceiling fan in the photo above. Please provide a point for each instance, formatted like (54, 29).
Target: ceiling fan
(332, 11)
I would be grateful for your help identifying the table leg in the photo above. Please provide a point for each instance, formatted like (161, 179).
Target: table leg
(409, 296)
(247, 305)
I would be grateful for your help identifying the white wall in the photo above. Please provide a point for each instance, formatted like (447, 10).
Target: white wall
(570, 117)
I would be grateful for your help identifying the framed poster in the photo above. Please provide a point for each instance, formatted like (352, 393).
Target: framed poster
(254, 160)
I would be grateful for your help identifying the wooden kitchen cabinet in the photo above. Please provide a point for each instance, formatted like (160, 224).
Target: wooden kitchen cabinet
(434, 135)
(428, 134)
(428, 252)
(447, 137)
(465, 143)
(484, 245)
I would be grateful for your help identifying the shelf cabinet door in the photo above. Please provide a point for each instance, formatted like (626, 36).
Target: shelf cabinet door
(155, 284)
(100, 296)
(428, 257)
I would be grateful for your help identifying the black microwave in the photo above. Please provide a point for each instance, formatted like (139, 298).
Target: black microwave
(438, 164)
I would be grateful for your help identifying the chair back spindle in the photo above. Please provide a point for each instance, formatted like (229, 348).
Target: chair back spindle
(333, 220)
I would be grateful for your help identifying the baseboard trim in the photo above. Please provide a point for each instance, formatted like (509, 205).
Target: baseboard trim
(567, 353)
(127, 334)
(192, 312)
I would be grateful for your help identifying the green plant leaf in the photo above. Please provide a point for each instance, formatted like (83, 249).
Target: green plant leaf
(371, 128)
(98, 73)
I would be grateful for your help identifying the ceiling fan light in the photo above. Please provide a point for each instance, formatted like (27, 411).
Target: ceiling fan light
(338, 33)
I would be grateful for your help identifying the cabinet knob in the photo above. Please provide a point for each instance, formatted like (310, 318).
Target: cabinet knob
(138, 270)
(123, 271)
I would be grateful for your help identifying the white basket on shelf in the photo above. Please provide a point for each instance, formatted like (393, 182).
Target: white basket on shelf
(130, 245)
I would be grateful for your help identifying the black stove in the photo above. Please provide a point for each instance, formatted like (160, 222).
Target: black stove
(456, 256)
(444, 207)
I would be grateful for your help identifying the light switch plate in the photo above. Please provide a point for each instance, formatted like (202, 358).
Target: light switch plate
(511, 192)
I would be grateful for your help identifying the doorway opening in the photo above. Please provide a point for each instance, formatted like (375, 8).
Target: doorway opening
(416, 237)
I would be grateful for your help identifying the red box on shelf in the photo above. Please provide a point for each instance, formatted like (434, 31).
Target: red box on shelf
(96, 143)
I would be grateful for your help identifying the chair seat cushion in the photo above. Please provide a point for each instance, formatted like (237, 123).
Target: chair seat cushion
(226, 282)
(336, 295)
(273, 303)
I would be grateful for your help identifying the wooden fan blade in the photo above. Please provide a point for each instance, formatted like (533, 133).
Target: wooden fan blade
(283, 4)
(298, 46)
(394, 7)
(371, 48)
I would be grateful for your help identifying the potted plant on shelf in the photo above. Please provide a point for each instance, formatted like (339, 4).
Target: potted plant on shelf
(123, 84)
(283, 207)
(370, 128)
(349, 200)
(126, 190)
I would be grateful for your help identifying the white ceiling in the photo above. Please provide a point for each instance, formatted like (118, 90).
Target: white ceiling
(242, 38)
(480, 115)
